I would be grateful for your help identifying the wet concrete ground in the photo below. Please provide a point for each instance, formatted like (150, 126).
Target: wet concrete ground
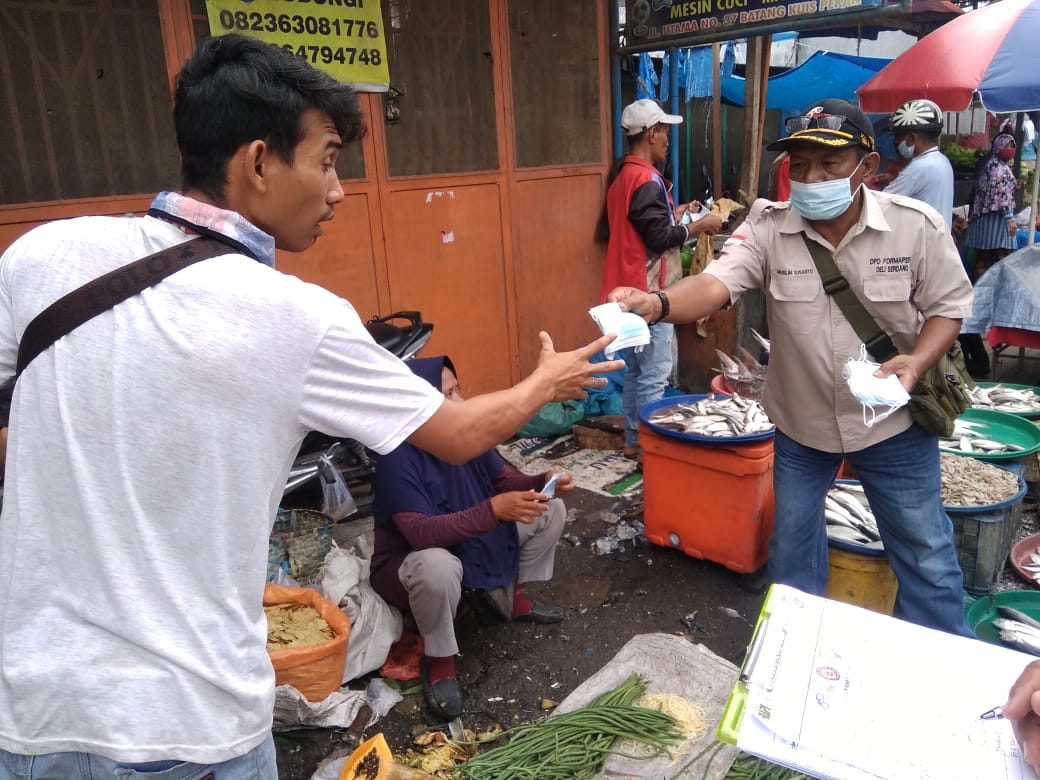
(506, 671)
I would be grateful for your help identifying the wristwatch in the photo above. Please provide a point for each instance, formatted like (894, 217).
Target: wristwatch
(664, 305)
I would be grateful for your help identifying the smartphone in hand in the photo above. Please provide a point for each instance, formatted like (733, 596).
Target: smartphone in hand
(550, 486)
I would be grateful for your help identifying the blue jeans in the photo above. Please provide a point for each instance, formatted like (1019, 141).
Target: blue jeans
(258, 764)
(646, 376)
(902, 482)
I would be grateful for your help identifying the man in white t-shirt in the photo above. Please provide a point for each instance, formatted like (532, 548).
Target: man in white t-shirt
(149, 447)
(1028, 142)
(916, 126)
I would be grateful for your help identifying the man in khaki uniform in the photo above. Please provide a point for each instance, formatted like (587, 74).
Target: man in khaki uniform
(900, 260)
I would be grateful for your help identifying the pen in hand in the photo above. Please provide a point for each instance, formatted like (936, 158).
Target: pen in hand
(993, 714)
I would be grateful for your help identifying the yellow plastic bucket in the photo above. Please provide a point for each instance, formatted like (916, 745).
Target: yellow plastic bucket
(861, 576)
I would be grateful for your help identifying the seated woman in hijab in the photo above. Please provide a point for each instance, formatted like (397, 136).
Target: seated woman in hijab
(482, 526)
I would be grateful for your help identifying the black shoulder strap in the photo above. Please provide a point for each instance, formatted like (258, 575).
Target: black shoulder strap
(97, 296)
(878, 343)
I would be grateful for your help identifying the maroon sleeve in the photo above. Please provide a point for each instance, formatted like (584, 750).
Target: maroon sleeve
(425, 531)
(509, 479)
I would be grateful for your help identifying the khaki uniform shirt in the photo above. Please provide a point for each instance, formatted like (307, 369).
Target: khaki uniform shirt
(900, 261)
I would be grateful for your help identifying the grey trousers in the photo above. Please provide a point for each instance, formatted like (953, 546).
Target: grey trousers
(433, 578)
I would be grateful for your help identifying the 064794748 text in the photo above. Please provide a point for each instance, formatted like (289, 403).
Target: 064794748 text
(344, 55)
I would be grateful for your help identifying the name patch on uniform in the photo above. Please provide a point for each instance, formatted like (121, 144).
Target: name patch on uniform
(890, 265)
(794, 271)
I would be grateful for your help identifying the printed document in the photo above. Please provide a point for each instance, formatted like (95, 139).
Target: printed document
(842, 692)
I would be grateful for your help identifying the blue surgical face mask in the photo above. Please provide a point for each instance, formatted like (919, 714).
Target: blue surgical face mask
(905, 151)
(823, 199)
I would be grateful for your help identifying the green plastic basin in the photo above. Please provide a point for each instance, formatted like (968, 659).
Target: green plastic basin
(1002, 427)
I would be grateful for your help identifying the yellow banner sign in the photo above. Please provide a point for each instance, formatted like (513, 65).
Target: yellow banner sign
(344, 38)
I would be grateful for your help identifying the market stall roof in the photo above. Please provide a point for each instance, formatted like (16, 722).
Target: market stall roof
(662, 29)
(823, 75)
(923, 17)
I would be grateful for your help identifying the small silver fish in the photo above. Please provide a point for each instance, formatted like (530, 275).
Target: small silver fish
(1027, 643)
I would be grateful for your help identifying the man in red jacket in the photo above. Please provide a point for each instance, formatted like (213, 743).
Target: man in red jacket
(646, 231)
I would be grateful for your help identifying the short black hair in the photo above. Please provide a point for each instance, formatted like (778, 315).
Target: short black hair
(234, 90)
(633, 140)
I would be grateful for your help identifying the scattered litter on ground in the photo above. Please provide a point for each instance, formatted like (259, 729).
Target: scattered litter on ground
(730, 612)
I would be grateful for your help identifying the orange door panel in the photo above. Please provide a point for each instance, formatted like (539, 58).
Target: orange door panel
(342, 259)
(559, 266)
(445, 258)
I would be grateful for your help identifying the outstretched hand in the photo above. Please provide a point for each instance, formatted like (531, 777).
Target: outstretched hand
(570, 374)
(634, 300)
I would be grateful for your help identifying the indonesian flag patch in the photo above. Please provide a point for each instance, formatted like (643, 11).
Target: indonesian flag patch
(735, 239)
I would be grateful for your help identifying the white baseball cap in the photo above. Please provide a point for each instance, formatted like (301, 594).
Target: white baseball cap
(644, 114)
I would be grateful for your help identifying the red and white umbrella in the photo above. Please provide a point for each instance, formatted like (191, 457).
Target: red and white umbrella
(993, 52)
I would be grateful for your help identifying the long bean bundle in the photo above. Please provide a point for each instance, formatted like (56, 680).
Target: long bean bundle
(748, 767)
(573, 746)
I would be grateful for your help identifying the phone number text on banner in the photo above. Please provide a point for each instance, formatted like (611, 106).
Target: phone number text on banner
(344, 38)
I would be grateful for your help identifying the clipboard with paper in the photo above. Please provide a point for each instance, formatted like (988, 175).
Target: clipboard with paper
(837, 691)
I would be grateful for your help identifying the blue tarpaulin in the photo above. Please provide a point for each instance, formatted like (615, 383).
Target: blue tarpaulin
(647, 78)
(823, 75)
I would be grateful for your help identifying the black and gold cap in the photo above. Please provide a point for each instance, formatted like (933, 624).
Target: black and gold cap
(835, 123)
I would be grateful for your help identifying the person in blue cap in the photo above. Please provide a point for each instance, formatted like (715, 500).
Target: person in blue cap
(441, 529)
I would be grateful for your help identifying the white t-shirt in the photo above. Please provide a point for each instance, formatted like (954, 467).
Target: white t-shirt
(1028, 138)
(147, 456)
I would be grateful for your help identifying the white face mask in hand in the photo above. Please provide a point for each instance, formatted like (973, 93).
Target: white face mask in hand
(881, 396)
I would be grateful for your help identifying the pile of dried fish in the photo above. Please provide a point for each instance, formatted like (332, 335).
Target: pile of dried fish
(1018, 630)
(1005, 399)
(849, 516)
(970, 482)
(714, 416)
(971, 437)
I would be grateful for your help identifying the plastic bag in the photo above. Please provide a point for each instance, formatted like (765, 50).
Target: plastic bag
(381, 697)
(402, 663)
(307, 537)
(375, 625)
(283, 578)
(277, 560)
(314, 671)
(337, 502)
(553, 419)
